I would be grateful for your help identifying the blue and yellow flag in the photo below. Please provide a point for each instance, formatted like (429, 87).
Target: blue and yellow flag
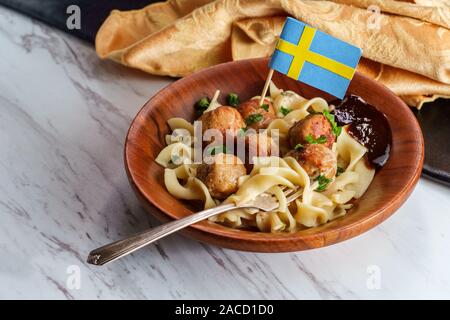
(315, 58)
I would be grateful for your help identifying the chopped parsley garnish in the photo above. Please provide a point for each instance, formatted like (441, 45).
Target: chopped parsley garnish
(336, 129)
(284, 111)
(216, 150)
(298, 146)
(253, 118)
(320, 140)
(233, 99)
(265, 107)
(339, 171)
(242, 132)
(201, 105)
(323, 183)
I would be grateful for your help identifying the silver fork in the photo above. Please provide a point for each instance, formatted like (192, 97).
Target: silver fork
(121, 248)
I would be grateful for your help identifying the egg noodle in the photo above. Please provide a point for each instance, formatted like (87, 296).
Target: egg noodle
(272, 174)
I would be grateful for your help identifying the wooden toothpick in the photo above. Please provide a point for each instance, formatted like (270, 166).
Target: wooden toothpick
(266, 86)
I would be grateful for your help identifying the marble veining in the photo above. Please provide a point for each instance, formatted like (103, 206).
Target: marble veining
(63, 191)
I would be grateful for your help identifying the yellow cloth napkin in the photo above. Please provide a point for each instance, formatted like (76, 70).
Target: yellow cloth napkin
(406, 46)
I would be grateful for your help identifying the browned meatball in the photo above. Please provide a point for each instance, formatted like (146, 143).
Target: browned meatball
(221, 177)
(315, 125)
(256, 116)
(316, 159)
(225, 119)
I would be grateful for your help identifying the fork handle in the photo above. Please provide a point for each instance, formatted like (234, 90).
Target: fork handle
(121, 248)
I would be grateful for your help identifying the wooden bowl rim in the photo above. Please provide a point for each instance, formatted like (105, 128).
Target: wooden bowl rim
(215, 230)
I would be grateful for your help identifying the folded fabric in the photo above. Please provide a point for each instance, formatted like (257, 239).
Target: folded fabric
(406, 45)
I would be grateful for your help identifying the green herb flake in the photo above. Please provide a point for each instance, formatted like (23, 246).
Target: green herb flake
(242, 132)
(284, 111)
(323, 183)
(233, 99)
(336, 129)
(339, 171)
(320, 140)
(253, 118)
(298, 146)
(212, 151)
(201, 105)
(265, 107)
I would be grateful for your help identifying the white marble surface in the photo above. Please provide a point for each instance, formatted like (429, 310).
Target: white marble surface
(63, 191)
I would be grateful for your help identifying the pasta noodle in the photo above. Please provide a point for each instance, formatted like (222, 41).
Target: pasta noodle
(194, 189)
(270, 175)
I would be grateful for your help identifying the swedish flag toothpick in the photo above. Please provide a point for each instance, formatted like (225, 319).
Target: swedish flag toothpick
(315, 58)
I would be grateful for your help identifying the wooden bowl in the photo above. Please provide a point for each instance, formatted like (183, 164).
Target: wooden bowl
(390, 188)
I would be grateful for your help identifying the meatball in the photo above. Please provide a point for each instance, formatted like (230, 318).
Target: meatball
(314, 125)
(226, 119)
(316, 159)
(256, 116)
(221, 176)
